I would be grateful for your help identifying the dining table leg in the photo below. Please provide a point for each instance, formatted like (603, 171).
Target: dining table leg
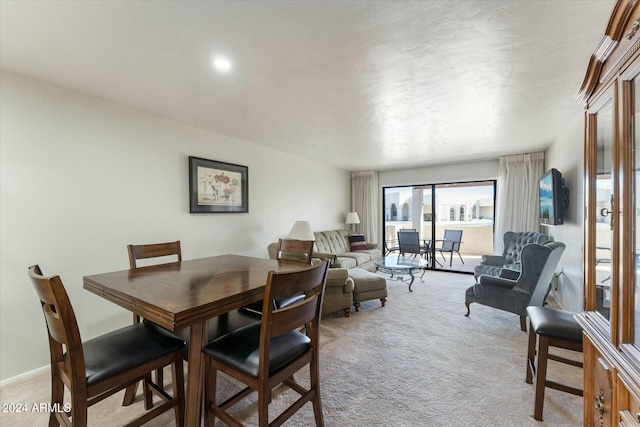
(195, 374)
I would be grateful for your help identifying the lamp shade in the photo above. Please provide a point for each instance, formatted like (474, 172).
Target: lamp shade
(352, 218)
(301, 230)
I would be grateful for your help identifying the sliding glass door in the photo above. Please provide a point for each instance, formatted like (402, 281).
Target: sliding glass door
(454, 221)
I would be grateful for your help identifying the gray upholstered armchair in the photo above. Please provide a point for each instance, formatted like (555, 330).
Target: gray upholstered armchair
(513, 290)
(510, 258)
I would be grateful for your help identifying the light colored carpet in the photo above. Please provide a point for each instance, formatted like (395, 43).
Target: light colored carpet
(416, 362)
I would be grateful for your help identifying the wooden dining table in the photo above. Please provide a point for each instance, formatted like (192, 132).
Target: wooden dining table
(187, 294)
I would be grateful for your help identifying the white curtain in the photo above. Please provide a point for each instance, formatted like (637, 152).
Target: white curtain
(517, 199)
(364, 201)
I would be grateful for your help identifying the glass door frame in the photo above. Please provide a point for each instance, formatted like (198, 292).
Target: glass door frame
(627, 219)
(434, 217)
(605, 326)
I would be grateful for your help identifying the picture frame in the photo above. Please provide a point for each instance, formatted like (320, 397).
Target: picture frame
(217, 187)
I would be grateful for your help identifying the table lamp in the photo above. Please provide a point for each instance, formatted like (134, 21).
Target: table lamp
(301, 230)
(352, 218)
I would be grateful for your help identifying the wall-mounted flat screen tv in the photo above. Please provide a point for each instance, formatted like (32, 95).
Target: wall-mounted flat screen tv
(551, 198)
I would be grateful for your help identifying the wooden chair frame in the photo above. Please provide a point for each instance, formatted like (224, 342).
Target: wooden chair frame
(275, 322)
(295, 250)
(68, 364)
(538, 374)
(153, 250)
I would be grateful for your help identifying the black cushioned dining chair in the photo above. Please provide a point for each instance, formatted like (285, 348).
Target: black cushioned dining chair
(295, 250)
(153, 250)
(548, 328)
(96, 369)
(290, 250)
(271, 352)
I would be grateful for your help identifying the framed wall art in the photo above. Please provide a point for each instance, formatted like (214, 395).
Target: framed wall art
(217, 187)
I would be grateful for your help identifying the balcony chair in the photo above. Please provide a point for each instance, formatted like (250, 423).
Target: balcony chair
(513, 290)
(96, 369)
(394, 248)
(450, 243)
(510, 258)
(265, 355)
(391, 248)
(409, 243)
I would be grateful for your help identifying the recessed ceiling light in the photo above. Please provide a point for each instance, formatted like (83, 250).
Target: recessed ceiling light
(222, 64)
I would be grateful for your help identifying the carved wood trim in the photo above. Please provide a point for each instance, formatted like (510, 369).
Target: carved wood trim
(614, 33)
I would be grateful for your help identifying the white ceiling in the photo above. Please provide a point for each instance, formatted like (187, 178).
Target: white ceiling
(355, 84)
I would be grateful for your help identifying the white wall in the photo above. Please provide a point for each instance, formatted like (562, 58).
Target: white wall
(567, 155)
(81, 178)
(453, 172)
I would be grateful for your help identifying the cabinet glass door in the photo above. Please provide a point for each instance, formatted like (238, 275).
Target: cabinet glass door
(635, 208)
(603, 216)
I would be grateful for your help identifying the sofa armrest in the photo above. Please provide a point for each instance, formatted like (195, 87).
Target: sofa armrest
(508, 273)
(496, 282)
(339, 277)
(493, 260)
(273, 250)
(325, 256)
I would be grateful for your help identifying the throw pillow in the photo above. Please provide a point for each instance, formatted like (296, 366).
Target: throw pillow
(358, 242)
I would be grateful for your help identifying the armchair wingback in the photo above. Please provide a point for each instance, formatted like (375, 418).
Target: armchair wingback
(514, 291)
(510, 258)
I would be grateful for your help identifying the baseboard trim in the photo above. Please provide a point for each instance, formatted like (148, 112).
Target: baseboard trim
(24, 376)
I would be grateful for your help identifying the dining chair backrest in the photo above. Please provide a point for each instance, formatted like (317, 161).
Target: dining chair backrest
(409, 242)
(275, 322)
(62, 328)
(290, 250)
(155, 250)
(295, 250)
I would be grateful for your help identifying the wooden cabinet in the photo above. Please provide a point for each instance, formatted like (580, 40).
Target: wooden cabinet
(611, 316)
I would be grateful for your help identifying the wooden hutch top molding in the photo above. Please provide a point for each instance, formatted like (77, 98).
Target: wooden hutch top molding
(618, 31)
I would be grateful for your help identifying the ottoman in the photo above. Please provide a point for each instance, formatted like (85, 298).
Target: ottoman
(367, 286)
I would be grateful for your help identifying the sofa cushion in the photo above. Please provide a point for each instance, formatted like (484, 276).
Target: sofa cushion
(332, 241)
(358, 242)
(360, 257)
(344, 262)
(373, 253)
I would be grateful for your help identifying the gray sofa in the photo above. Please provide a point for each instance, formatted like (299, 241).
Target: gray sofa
(335, 243)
